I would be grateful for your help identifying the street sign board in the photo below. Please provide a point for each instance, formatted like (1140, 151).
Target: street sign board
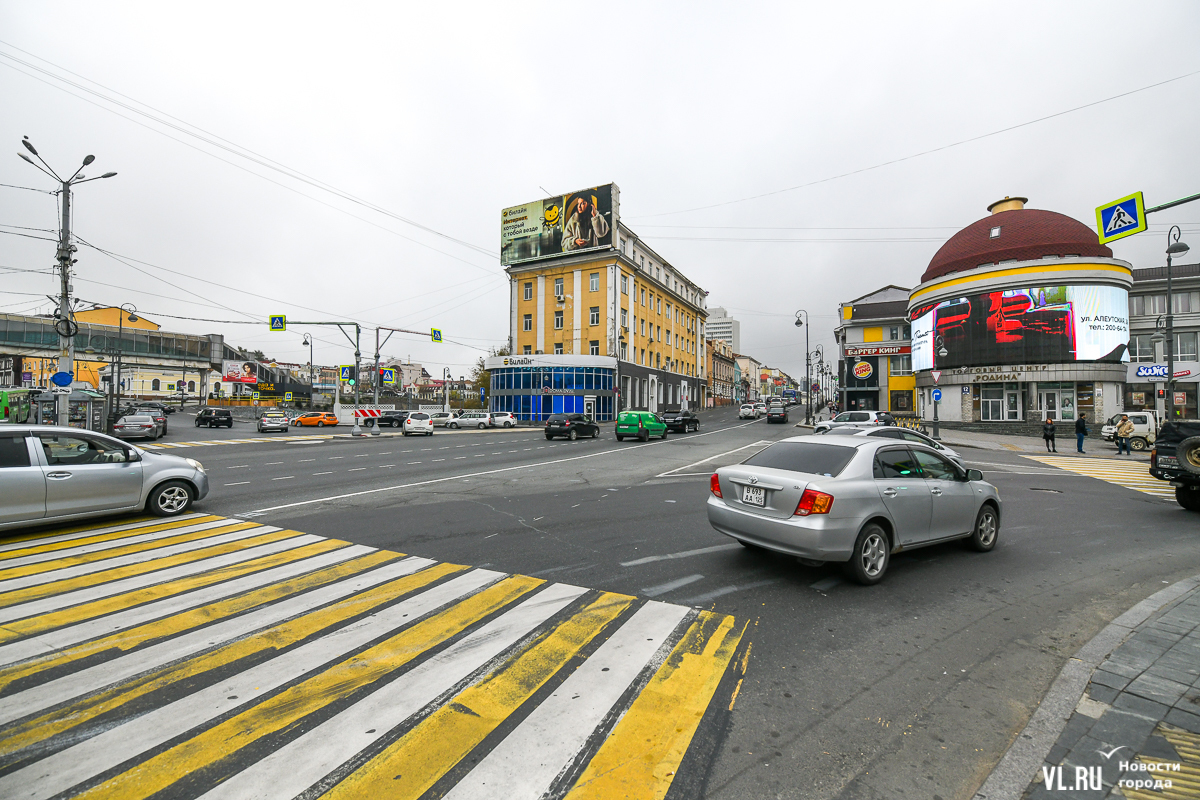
(1180, 399)
(481, 394)
(254, 396)
(60, 389)
(61, 378)
(936, 375)
(346, 372)
(937, 395)
(387, 375)
(1121, 218)
(435, 334)
(278, 322)
(287, 397)
(816, 387)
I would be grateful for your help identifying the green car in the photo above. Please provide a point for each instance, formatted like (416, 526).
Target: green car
(640, 424)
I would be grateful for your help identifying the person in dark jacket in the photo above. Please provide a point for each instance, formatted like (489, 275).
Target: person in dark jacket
(1081, 430)
(1048, 435)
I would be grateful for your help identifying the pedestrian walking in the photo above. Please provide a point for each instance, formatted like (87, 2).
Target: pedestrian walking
(1048, 435)
(1081, 430)
(1124, 431)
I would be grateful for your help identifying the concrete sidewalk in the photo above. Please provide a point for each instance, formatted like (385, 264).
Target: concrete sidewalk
(1093, 445)
(1123, 713)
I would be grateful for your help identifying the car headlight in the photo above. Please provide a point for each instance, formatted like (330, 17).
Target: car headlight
(195, 464)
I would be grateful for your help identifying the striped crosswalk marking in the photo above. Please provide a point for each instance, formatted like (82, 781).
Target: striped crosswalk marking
(260, 662)
(1130, 474)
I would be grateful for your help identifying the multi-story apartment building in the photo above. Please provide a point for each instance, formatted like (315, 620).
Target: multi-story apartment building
(875, 352)
(599, 329)
(749, 370)
(1147, 368)
(720, 372)
(724, 327)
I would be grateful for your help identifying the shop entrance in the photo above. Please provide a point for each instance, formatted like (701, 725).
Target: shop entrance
(589, 407)
(1056, 401)
(999, 403)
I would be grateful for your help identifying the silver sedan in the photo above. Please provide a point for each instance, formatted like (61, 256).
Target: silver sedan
(53, 474)
(898, 434)
(852, 499)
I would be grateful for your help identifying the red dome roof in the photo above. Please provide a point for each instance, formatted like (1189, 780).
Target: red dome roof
(1025, 234)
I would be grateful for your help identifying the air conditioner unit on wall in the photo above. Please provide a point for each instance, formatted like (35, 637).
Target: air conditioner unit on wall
(560, 298)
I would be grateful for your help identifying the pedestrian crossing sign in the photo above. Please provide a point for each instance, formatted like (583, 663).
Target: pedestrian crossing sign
(1121, 218)
(255, 396)
(346, 372)
(278, 322)
(387, 375)
(435, 334)
(287, 397)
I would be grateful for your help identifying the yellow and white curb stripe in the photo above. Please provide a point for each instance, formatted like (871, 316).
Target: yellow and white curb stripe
(219, 658)
(1130, 474)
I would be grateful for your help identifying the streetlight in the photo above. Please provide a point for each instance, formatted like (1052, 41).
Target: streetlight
(65, 326)
(312, 380)
(1174, 248)
(807, 364)
(114, 369)
(940, 344)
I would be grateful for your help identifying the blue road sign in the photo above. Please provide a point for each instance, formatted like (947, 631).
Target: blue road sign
(937, 395)
(62, 378)
(347, 372)
(481, 394)
(278, 322)
(1121, 218)
(435, 334)
(387, 375)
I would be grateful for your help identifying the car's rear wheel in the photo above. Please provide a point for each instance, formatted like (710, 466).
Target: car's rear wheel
(665, 432)
(987, 530)
(482, 426)
(643, 435)
(1188, 497)
(320, 423)
(573, 435)
(620, 438)
(548, 437)
(871, 556)
(170, 499)
(453, 425)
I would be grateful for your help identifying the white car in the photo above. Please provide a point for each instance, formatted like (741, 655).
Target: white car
(273, 421)
(760, 408)
(503, 419)
(862, 418)
(1145, 429)
(441, 418)
(747, 411)
(470, 419)
(902, 434)
(418, 422)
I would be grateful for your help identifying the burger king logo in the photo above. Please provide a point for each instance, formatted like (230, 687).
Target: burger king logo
(862, 370)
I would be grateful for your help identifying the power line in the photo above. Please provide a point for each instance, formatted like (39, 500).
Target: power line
(26, 188)
(924, 152)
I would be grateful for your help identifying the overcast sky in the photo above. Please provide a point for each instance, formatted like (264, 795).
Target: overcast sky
(443, 114)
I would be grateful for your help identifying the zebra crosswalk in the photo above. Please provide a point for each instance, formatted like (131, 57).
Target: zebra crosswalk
(1130, 474)
(218, 658)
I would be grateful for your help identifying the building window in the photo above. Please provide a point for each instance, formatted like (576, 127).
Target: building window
(624, 352)
(643, 326)
(191, 386)
(1185, 346)
(558, 348)
(642, 360)
(624, 318)
(1182, 301)
(660, 333)
(594, 282)
(1141, 348)
(527, 350)
(558, 287)
(558, 320)
(624, 284)
(594, 316)
(1148, 305)
(527, 323)
(529, 291)
(660, 305)
(894, 333)
(154, 384)
(594, 347)
(643, 297)
(900, 365)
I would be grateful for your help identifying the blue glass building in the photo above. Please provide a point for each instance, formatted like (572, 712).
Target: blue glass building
(534, 387)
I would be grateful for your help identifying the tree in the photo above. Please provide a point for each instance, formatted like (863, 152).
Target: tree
(481, 378)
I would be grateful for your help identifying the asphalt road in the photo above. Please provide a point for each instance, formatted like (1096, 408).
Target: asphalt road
(912, 688)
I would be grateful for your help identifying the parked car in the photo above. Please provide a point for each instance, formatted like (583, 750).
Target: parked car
(776, 412)
(273, 421)
(163, 407)
(388, 419)
(502, 419)
(441, 418)
(852, 499)
(137, 426)
(572, 426)
(470, 419)
(855, 418)
(54, 474)
(640, 424)
(317, 419)
(900, 434)
(1145, 429)
(1176, 458)
(682, 421)
(417, 422)
(215, 418)
(747, 411)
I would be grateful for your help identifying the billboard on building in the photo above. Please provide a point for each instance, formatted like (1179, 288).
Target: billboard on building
(239, 371)
(568, 223)
(1035, 325)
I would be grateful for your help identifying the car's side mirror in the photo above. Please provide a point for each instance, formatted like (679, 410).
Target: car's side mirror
(974, 475)
(132, 456)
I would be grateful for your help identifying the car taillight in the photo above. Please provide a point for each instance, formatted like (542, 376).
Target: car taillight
(813, 502)
(715, 485)
(567, 424)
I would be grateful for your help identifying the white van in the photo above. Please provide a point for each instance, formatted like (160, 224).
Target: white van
(1145, 426)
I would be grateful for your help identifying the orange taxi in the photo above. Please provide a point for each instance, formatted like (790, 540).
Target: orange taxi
(317, 419)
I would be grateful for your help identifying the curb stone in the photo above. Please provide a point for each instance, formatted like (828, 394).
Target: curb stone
(1012, 776)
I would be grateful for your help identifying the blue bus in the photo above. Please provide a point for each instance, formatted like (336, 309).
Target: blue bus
(789, 397)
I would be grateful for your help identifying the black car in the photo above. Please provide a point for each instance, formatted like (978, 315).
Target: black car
(776, 412)
(215, 418)
(388, 419)
(148, 404)
(1176, 458)
(682, 421)
(571, 426)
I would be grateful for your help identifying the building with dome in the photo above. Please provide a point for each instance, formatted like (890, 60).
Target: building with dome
(1021, 316)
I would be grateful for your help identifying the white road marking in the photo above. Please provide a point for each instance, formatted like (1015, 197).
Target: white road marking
(239, 483)
(670, 473)
(322, 473)
(284, 478)
(273, 463)
(356, 469)
(108, 544)
(66, 537)
(670, 586)
(240, 466)
(684, 554)
(724, 590)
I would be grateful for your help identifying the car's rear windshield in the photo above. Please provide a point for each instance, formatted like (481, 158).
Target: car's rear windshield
(814, 459)
(418, 416)
(142, 420)
(274, 414)
(557, 418)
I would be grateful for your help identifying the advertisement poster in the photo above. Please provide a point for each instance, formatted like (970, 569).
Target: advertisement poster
(239, 372)
(569, 223)
(1037, 325)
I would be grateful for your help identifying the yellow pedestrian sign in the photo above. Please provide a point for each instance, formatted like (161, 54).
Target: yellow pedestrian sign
(278, 322)
(347, 372)
(254, 396)
(435, 334)
(287, 397)
(1121, 218)
(387, 375)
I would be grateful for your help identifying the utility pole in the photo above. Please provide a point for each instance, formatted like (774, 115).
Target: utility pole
(65, 325)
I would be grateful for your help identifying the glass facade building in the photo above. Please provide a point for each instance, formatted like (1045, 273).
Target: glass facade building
(533, 388)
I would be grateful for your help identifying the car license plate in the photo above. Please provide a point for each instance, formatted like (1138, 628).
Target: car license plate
(1168, 461)
(754, 496)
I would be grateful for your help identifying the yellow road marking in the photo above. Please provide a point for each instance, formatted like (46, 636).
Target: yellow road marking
(640, 757)
(1130, 474)
(276, 638)
(423, 755)
(1185, 784)
(115, 552)
(288, 707)
(119, 602)
(33, 538)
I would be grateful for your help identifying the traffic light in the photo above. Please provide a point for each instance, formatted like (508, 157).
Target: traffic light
(1162, 393)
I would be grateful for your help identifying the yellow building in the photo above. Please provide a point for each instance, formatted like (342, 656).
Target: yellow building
(875, 353)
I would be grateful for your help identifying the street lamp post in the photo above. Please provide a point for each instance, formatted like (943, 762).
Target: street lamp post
(312, 380)
(114, 408)
(940, 344)
(807, 364)
(1174, 248)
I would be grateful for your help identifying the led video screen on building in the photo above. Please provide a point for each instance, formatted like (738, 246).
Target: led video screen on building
(1037, 325)
(582, 220)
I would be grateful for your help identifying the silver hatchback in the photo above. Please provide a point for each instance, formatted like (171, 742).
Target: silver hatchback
(852, 499)
(52, 474)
